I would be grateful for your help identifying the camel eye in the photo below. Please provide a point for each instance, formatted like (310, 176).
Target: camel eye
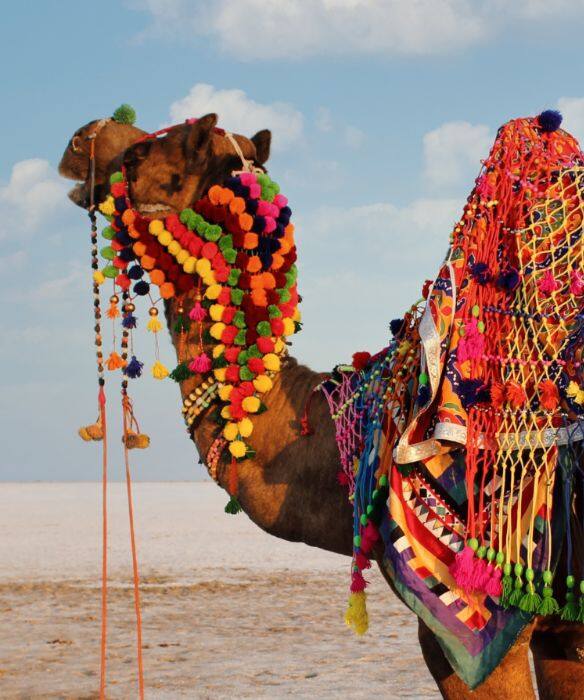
(76, 144)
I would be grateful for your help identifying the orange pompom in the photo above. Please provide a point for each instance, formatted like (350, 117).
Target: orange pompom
(254, 264)
(215, 194)
(277, 261)
(516, 394)
(285, 246)
(139, 249)
(237, 205)
(133, 232)
(259, 297)
(225, 196)
(167, 290)
(157, 277)
(128, 216)
(147, 262)
(549, 396)
(289, 233)
(256, 282)
(269, 280)
(250, 241)
(498, 394)
(245, 221)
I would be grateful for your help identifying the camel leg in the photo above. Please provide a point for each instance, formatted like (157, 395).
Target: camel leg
(510, 680)
(558, 657)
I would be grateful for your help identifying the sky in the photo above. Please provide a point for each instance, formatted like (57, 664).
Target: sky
(380, 111)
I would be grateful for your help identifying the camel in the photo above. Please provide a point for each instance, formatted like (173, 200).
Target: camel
(290, 487)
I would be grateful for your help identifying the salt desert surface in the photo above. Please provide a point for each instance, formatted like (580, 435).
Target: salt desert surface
(228, 611)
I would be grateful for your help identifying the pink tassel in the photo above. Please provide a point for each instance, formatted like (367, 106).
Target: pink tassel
(548, 283)
(200, 364)
(493, 586)
(472, 343)
(462, 568)
(197, 313)
(358, 583)
(577, 283)
(480, 575)
(362, 561)
(369, 537)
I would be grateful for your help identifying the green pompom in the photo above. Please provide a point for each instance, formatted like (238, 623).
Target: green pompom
(240, 338)
(233, 278)
(110, 271)
(245, 374)
(108, 233)
(274, 311)
(181, 372)
(236, 296)
(125, 114)
(226, 242)
(239, 319)
(116, 177)
(264, 329)
(230, 254)
(108, 253)
(233, 507)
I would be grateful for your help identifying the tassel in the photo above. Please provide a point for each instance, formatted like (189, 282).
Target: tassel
(358, 583)
(581, 606)
(133, 369)
(356, 616)
(154, 325)
(463, 565)
(114, 361)
(570, 611)
(200, 364)
(517, 593)
(181, 373)
(516, 394)
(480, 574)
(506, 586)
(549, 605)
(362, 561)
(472, 343)
(531, 600)
(549, 396)
(113, 311)
(233, 506)
(197, 313)
(548, 284)
(577, 283)
(129, 321)
(493, 585)
(91, 432)
(133, 441)
(180, 324)
(159, 371)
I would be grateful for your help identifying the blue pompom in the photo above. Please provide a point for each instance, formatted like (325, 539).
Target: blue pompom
(135, 272)
(141, 288)
(550, 120)
(134, 368)
(396, 326)
(473, 391)
(424, 394)
(129, 320)
(480, 272)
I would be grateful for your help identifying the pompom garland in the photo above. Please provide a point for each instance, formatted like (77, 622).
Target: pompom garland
(236, 248)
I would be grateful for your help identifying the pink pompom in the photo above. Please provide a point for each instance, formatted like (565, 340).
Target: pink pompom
(255, 191)
(197, 313)
(493, 585)
(280, 201)
(480, 575)
(462, 568)
(200, 364)
(248, 179)
(548, 283)
(270, 224)
(577, 283)
(472, 343)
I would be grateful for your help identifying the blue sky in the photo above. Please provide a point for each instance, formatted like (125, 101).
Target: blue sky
(380, 114)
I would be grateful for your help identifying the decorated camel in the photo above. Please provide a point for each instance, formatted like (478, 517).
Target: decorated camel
(275, 449)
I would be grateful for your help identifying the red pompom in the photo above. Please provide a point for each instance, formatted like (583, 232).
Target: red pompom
(265, 345)
(232, 374)
(123, 281)
(228, 335)
(426, 288)
(228, 314)
(231, 354)
(277, 326)
(246, 389)
(224, 296)
(256, 365)
(361, 360)
(549, 397)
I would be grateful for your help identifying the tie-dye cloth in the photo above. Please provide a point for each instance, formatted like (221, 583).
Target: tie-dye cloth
(461, 441)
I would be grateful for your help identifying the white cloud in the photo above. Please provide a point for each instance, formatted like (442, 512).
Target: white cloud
(240, 113)
(34, 191)
(453, 151)
(353, 137)
(13, 261)
(572, 109)
(324, 119)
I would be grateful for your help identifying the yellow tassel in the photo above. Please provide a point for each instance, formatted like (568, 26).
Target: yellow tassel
(91, 432)
(159, 371)
(356, 616)
(154, 324)
(134, 440)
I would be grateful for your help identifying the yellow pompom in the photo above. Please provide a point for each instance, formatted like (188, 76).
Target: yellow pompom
(216, 312)
(226, 412)
(230, 431)
(262, 383)
(245, 427)
(251, 404)
(289, 327)
(218, 350)
(174, 248)
(237, 449)
(225, 392)
(154, 324)
(189, 265)
(165, 237)
(159, 371)
(182, 256)
(271, 362)
(98, 277)
(356, 616)
(216, 330)
(107, 207)
(156, 227)
(213, 291)
(279, 346)
(220, 373)
(297, 316)
(209, 279)
(203, 267)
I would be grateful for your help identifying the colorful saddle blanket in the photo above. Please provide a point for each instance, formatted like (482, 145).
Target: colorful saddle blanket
(461, 442)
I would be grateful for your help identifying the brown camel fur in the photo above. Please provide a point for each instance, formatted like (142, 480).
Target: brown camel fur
(290, 488)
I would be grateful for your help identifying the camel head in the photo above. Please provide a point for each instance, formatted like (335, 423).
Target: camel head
(171, 172)
(111, 138)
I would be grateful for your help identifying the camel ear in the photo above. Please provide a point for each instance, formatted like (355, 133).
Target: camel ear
(262, 141)
(137, 153)
(200, 133)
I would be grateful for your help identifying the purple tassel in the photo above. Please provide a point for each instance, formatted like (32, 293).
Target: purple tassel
(129, 321)
(134, 368)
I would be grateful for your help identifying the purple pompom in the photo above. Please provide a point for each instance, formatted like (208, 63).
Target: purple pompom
(129, 321)
(480, 272)
(509, 279)
(134, 368)
(473, 391)
(549, 120)
(396, 326)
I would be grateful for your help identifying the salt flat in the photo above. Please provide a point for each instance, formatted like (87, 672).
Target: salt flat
(228, 611)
